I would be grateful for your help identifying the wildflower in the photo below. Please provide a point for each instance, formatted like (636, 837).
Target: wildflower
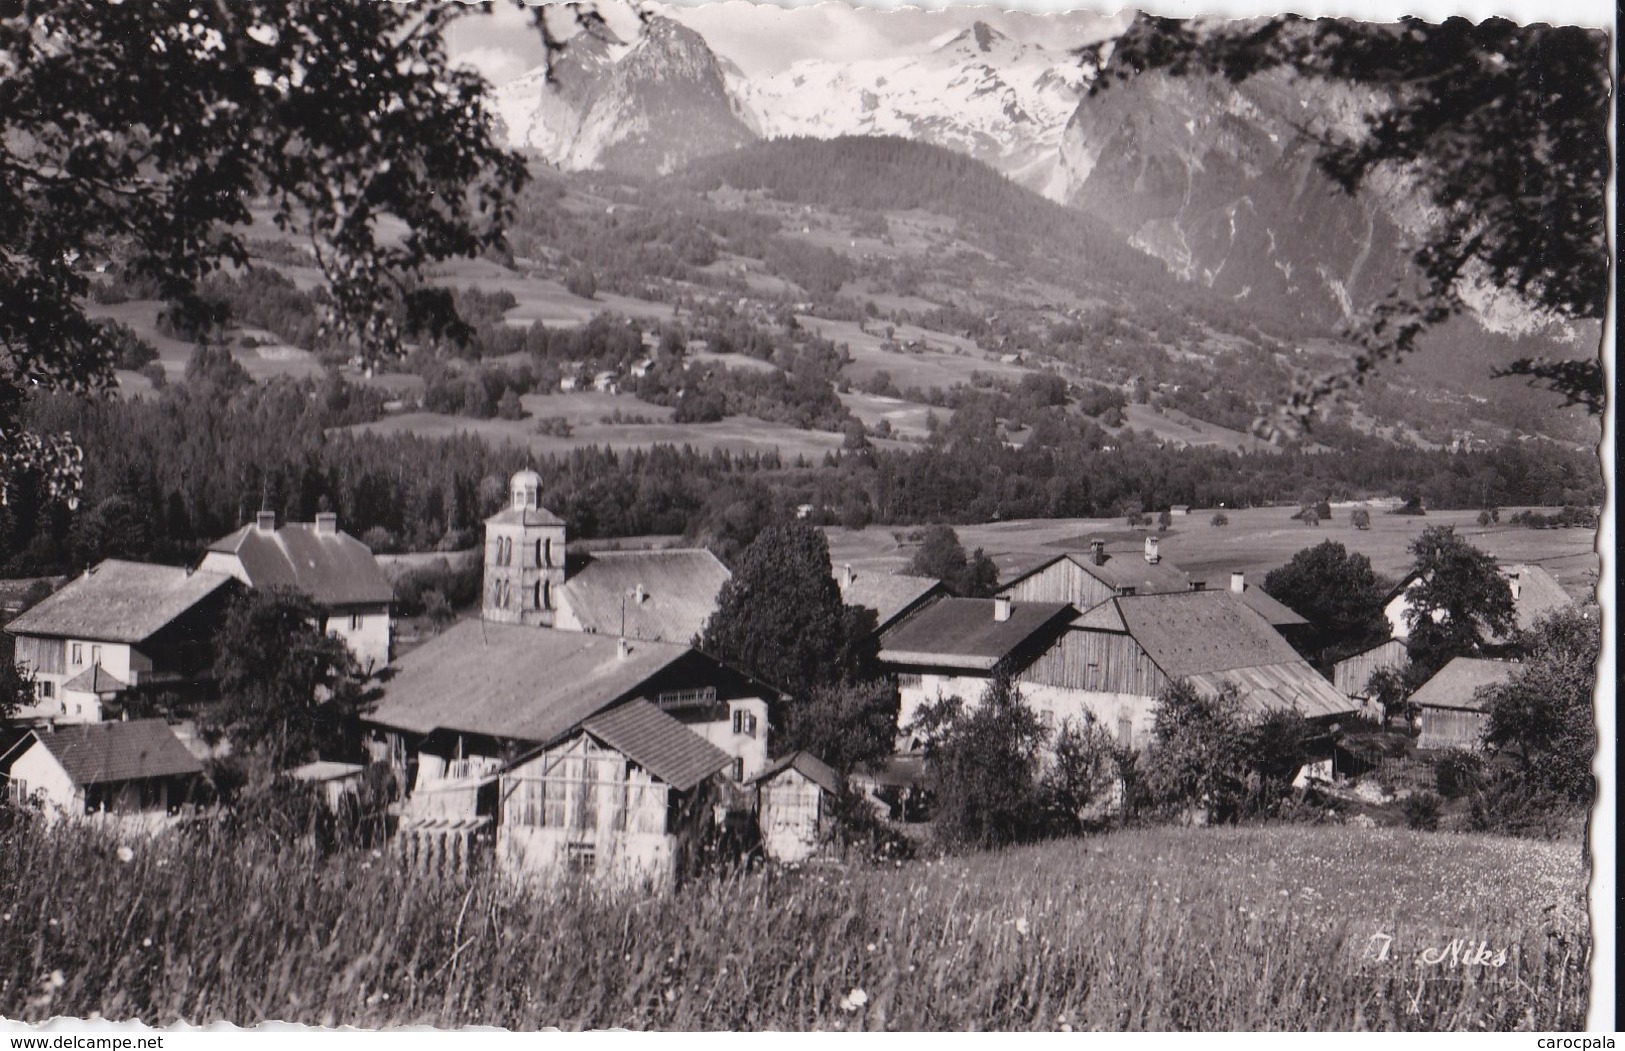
(126, 855)
(6, 918)
(55, 981)
(146, 943)
(871, 946)
(53, 921)
(671, 994)
(853, 1000)
(1021, 926)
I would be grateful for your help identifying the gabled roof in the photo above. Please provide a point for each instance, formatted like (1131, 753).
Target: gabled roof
(890, 595)
(961, 632)
(96, 679)
(1272, 609)
(1454, 685)
(119, 601)
(805, 763)
(1121, 570)
(98, 753)
(1280, 687)
(334, 569)
(1539, 594)
(658, 743)
(679, 593)
(514, 681)
(1196, 632)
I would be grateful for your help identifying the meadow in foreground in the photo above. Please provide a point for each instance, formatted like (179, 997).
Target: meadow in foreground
(1289, 927)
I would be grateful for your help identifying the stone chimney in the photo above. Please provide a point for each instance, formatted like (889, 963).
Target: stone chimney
(639, 595)
(265, 522)
(623, 648)
(1515, 582)
(1001, 608)
(1151, 554)
(1097, 552)
(847, 576)
(1238, 582)
(327, 524)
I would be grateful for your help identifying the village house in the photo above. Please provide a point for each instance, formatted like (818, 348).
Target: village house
(1111, 662)
(333, 568)
(120, 627)
(793, 797)
(892, 596)
(1085, 580)
(659, 596)
(1450, 713)
(136, 770)
(1535, 594)
(954, 646)
(485, 708)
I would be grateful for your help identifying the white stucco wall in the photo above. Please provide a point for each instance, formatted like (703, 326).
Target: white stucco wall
(370, 640)
(44, 775)
(752, 748)
(1057, 703)
(932, 688)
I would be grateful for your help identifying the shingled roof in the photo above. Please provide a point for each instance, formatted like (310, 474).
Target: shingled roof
(119, 601)
(658, 743)
(678, 590)
(96, 679)
(962, 632)
(1537, 594)
(1272, 609)
(890, 595)
(100, 753)
(805, 763)
(1457, 683)
(513, 681)
(333, 568)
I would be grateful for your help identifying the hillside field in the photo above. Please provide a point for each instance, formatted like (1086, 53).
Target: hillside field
(1285, 927)
(1256, 541)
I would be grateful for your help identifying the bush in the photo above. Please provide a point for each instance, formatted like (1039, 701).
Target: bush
(1220, 520)
(1457, 772)
(1422, 811)
(856, 827)
(1511, 805)
(509, 407)
(154, 374)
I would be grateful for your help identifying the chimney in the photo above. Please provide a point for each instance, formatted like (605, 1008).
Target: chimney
(847, 576)
(1097, 552)
(1515, 583)
(639, 595)
(327, 524)
(623, 648)
(1198, 585)
(1238, 582)
(1151, 555)
(265, 522)
(1001, 608)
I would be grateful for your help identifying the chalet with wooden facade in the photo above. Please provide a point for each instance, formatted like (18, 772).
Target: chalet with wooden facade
(120, 627)
(337, 572)
(1084, 581)
(793, 797)
(1450, 711)
(484, 709)
(1352, 675)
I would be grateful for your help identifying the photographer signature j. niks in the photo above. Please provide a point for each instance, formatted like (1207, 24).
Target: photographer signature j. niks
(1457, 952)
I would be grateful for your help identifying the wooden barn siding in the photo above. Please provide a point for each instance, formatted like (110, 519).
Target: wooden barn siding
(1451, 728)
(1104, 662)
(44, 656)
(1350, 676)
(1062, 582)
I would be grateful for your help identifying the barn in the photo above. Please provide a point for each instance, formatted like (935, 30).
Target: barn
(792, 805)
(1449, 710)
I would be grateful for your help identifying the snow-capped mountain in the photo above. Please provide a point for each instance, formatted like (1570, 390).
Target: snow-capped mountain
(650, 105)
(979, 92)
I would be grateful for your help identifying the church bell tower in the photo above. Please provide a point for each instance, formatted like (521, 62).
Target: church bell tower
(524, 557)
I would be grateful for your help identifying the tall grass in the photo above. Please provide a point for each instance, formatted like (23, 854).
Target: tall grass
(1267, 928)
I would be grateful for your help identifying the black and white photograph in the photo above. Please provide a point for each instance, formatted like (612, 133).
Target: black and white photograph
(718, 517)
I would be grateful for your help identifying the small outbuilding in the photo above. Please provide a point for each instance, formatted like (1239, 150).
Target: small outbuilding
(137, 768)
(1450, 710)
(793, 795)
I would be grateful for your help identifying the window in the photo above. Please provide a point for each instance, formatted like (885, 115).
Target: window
(355, 622)
(1125, 729)
(908, 679)
(45, 688)
(744, 722)
(537, 596)
(507, 550)
(546, 601)
(739, 768)
(95, 654)
(580, 858)
(17, 791)
(539, 553)
(78, 656)
(547, 551)
(1127, 589)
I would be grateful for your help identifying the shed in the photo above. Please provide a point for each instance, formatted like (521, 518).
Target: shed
(137, 767)
(1451, 711)
(792, 803)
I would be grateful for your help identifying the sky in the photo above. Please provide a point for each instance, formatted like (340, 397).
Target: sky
(763, 38)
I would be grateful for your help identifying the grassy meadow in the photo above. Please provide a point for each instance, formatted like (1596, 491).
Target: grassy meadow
(1288, 927)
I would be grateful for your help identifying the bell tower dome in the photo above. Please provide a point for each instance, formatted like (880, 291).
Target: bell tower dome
(524, 557)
